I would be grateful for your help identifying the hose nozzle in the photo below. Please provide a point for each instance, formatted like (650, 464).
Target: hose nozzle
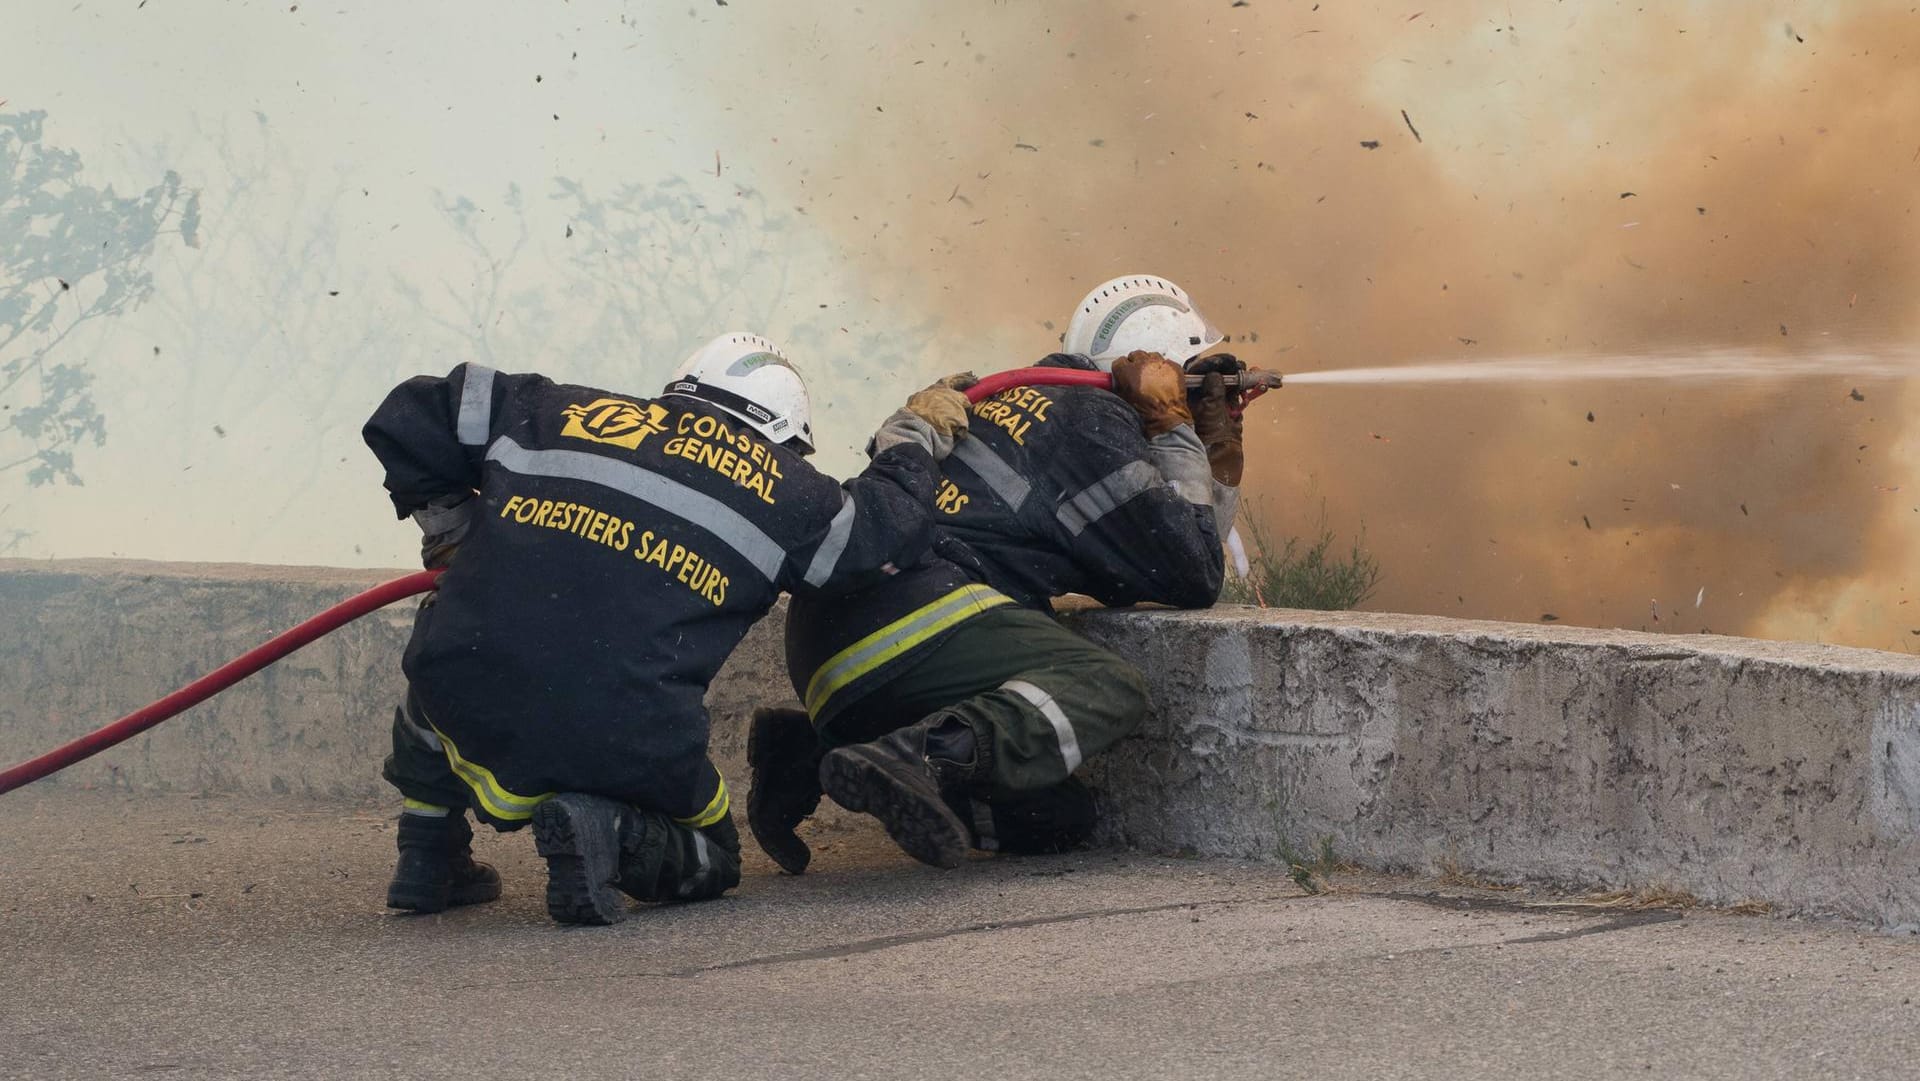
(1250, 381)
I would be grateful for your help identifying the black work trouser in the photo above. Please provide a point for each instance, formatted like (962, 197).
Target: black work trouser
(1044, 699)
(665, 860)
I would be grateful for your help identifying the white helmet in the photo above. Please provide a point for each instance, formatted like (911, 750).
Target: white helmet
(1139, 312)
(750, 377)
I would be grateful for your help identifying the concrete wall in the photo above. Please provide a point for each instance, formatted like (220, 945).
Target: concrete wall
(1733, 769)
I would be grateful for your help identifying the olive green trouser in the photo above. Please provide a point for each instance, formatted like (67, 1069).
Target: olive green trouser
(1044, 698)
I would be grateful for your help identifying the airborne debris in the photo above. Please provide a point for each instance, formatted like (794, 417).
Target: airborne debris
(1586, 521)
(1793, 35)
(1629, 194)
(1410, 127)
(1743, 511)
(1856, 395)
(1548, 617)
(1025, 146)
(1370, 144)
(1700, 597)
(1589, 416)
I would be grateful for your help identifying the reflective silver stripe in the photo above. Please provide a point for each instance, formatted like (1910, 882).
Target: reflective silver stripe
(1011, 487)
(984, 838)
(669, 495)
(698, 878)
(1098, 499)
(420, 733)
(1062, 728)
(827, 556)
(476, 406)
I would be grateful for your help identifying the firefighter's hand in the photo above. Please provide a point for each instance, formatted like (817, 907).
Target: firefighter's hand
(1152, 384)
(958, 381)
(932, 418)
(943, 407)
(1225, 364)
(1219, 429)
(443, 525)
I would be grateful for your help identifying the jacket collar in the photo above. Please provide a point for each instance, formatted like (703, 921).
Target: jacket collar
(1067, 360)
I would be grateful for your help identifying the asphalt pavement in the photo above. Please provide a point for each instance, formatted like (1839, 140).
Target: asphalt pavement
(185, 937)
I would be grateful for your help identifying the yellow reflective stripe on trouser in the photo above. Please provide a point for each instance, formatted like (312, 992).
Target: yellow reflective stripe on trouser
(496, 801)
(717, 808)
(423, 808)
(896, 638)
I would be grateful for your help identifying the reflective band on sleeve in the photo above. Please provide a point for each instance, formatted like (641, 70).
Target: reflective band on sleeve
(1100, 498)
(896, 638)
(476, 406)
(422, 808)
(827, 556)
(1011, 487)
(495, 800)
(669, 495)
(716, 808)
(1062, 728)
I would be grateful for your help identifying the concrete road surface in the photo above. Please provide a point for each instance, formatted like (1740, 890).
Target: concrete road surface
(178, 937)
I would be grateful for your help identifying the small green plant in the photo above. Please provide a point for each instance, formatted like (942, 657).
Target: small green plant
(1293, 574)
(1311, 872)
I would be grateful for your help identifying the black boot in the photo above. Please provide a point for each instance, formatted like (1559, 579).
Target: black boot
(910, 780)
(1041, 821)
(436, 869)
(579, 836)
(784, 754)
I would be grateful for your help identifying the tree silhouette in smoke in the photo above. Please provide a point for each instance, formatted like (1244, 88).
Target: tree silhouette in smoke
(647, 270)
(74, 254)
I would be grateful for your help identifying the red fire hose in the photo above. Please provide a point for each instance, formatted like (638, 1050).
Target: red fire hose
(217, 680)
(372, 600)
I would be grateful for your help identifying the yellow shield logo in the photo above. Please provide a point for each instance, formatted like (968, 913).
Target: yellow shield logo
(614, 420)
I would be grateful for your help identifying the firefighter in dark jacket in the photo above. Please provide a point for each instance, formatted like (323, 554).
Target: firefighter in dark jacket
(948, 703)
(611, 551)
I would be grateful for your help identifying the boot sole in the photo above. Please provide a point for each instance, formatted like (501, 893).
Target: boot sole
(582, 848)
(420, 898)
(861, 780)
(429, 899)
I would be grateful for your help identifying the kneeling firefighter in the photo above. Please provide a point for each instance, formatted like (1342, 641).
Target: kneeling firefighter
(948, 703)
(612, 550)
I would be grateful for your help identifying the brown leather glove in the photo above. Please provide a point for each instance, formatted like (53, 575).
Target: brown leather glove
(1219, 430)
(943, 408)
(1154, 387)
(958, 380)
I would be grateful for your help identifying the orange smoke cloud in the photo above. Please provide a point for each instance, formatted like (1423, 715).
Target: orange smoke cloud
(1580, 182)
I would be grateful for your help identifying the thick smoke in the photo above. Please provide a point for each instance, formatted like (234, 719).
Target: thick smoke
(1586, 179)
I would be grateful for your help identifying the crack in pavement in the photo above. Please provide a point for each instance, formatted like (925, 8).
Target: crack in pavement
(888, 942)
(1621, 922)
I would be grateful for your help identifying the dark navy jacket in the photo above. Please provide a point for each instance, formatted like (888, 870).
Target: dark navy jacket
(619, 549)
(1053, 492)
